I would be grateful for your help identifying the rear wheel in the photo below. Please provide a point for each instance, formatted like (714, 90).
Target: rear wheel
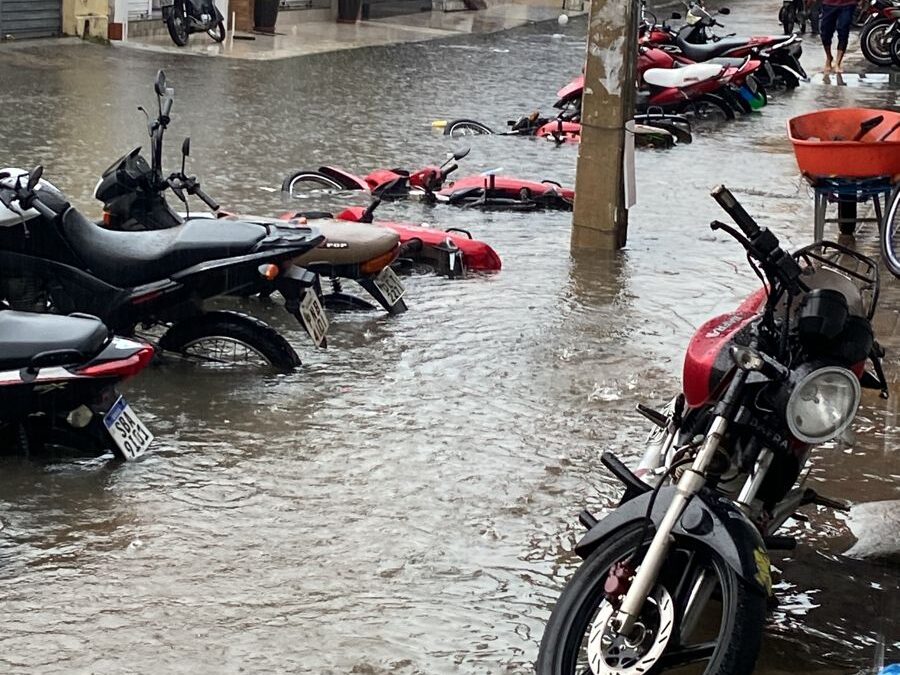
(710, 107)
(178, 24)
(230, 339)
(874, 45)
(786, 17)
(785, 77)
(466, 128)
(700, 613)
(217, 32)
(305, 183)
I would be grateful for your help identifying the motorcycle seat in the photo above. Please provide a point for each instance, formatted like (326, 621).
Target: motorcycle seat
(728, 62)
(349, 243)
(709, 50)
(680, 78)
(24, 335)
(128, 259)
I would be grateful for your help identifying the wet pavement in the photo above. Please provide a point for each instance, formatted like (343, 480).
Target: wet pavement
(301, 37)
(406, 502)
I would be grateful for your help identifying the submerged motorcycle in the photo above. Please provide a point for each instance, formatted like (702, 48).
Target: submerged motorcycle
(183, 17)
(486, 191)
(133, 195)
(58, 377)
(678, 573)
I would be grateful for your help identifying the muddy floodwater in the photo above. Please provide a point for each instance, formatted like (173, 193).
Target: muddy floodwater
(406, 502)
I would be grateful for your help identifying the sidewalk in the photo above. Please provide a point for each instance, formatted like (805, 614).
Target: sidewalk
(316, 37)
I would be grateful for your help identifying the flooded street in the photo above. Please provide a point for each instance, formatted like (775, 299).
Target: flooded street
(406, 502)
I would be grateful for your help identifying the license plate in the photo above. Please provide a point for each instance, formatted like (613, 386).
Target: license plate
(314, 319)
(390, 286)
(166, 3)
(128, 432)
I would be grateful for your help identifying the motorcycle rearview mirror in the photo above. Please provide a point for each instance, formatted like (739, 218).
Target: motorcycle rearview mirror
(459, 154)
(160, 84)
(185, 152)
(35, 176)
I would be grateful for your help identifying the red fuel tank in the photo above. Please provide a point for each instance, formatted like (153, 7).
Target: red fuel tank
(707, 360)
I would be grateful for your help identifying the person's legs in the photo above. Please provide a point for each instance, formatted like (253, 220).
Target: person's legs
(844, 22)
(827, 26)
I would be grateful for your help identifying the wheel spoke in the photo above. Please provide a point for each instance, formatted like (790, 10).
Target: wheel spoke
(683, 656)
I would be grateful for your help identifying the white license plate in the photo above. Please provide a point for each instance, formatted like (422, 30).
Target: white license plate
(166, 3)
(129, 433)
(390, 286)
(314, 318)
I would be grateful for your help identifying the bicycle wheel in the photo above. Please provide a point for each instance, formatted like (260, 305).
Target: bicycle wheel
(890, 235)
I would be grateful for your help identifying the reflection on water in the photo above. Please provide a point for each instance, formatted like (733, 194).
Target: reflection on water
(406, 502)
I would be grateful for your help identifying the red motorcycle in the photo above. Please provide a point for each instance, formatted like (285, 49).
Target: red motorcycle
(486, 191)
(678, 572)
(882, 25)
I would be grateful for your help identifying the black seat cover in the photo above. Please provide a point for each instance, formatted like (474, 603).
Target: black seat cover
(710, 50)
(23, 335)
(128, 259)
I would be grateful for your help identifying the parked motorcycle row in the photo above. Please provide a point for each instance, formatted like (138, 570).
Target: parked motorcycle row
(685, 74)
(139, 283)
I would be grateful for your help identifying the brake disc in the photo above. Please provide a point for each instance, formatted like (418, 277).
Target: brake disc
(612, 654)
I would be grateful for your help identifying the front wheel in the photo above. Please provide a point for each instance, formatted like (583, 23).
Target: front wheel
(230, 339)
(700, 611)
(217, 32)
(178, 23)
(895, 51)
(464, 127)
(890, 235)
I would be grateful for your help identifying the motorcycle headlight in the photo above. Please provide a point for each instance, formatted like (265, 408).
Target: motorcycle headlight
(823, 404)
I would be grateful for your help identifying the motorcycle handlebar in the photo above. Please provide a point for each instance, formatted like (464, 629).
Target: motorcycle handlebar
(732, 207)
(167, 107)
(448, 170)
(209, 201)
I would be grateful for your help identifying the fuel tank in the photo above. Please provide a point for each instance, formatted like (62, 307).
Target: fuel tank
(708, 361)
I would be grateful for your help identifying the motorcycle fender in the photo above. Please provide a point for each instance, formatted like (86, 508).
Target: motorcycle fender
(712, 520)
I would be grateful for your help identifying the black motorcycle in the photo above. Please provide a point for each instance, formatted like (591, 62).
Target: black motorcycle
(58, 377)
(183, 17)
(678, 573)
(54, 258)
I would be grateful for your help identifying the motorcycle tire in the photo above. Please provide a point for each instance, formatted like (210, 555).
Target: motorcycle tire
(740, 634)
(311, 179)
(263, 344)
(786, 19)
(785, 77)
(177, 22)
(217, 32)
(464, 127)
(895, 52)
(873, 45)
(713, 102)
(890, 235)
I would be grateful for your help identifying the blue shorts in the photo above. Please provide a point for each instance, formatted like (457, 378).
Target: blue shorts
(839, 18)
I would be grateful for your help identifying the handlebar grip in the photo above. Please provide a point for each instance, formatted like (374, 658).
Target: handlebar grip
(167, 107)
(43, 209)
(733, 208)
(450, 169)
(209, 201)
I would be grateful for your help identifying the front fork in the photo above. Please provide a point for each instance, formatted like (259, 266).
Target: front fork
(690, 483)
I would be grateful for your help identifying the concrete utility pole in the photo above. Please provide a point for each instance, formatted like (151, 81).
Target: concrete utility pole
(600, 221)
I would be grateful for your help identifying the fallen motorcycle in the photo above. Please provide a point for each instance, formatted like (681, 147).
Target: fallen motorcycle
(133, 196)
(678, 573)
(485, 191)
(451, 253)
(58, 377)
